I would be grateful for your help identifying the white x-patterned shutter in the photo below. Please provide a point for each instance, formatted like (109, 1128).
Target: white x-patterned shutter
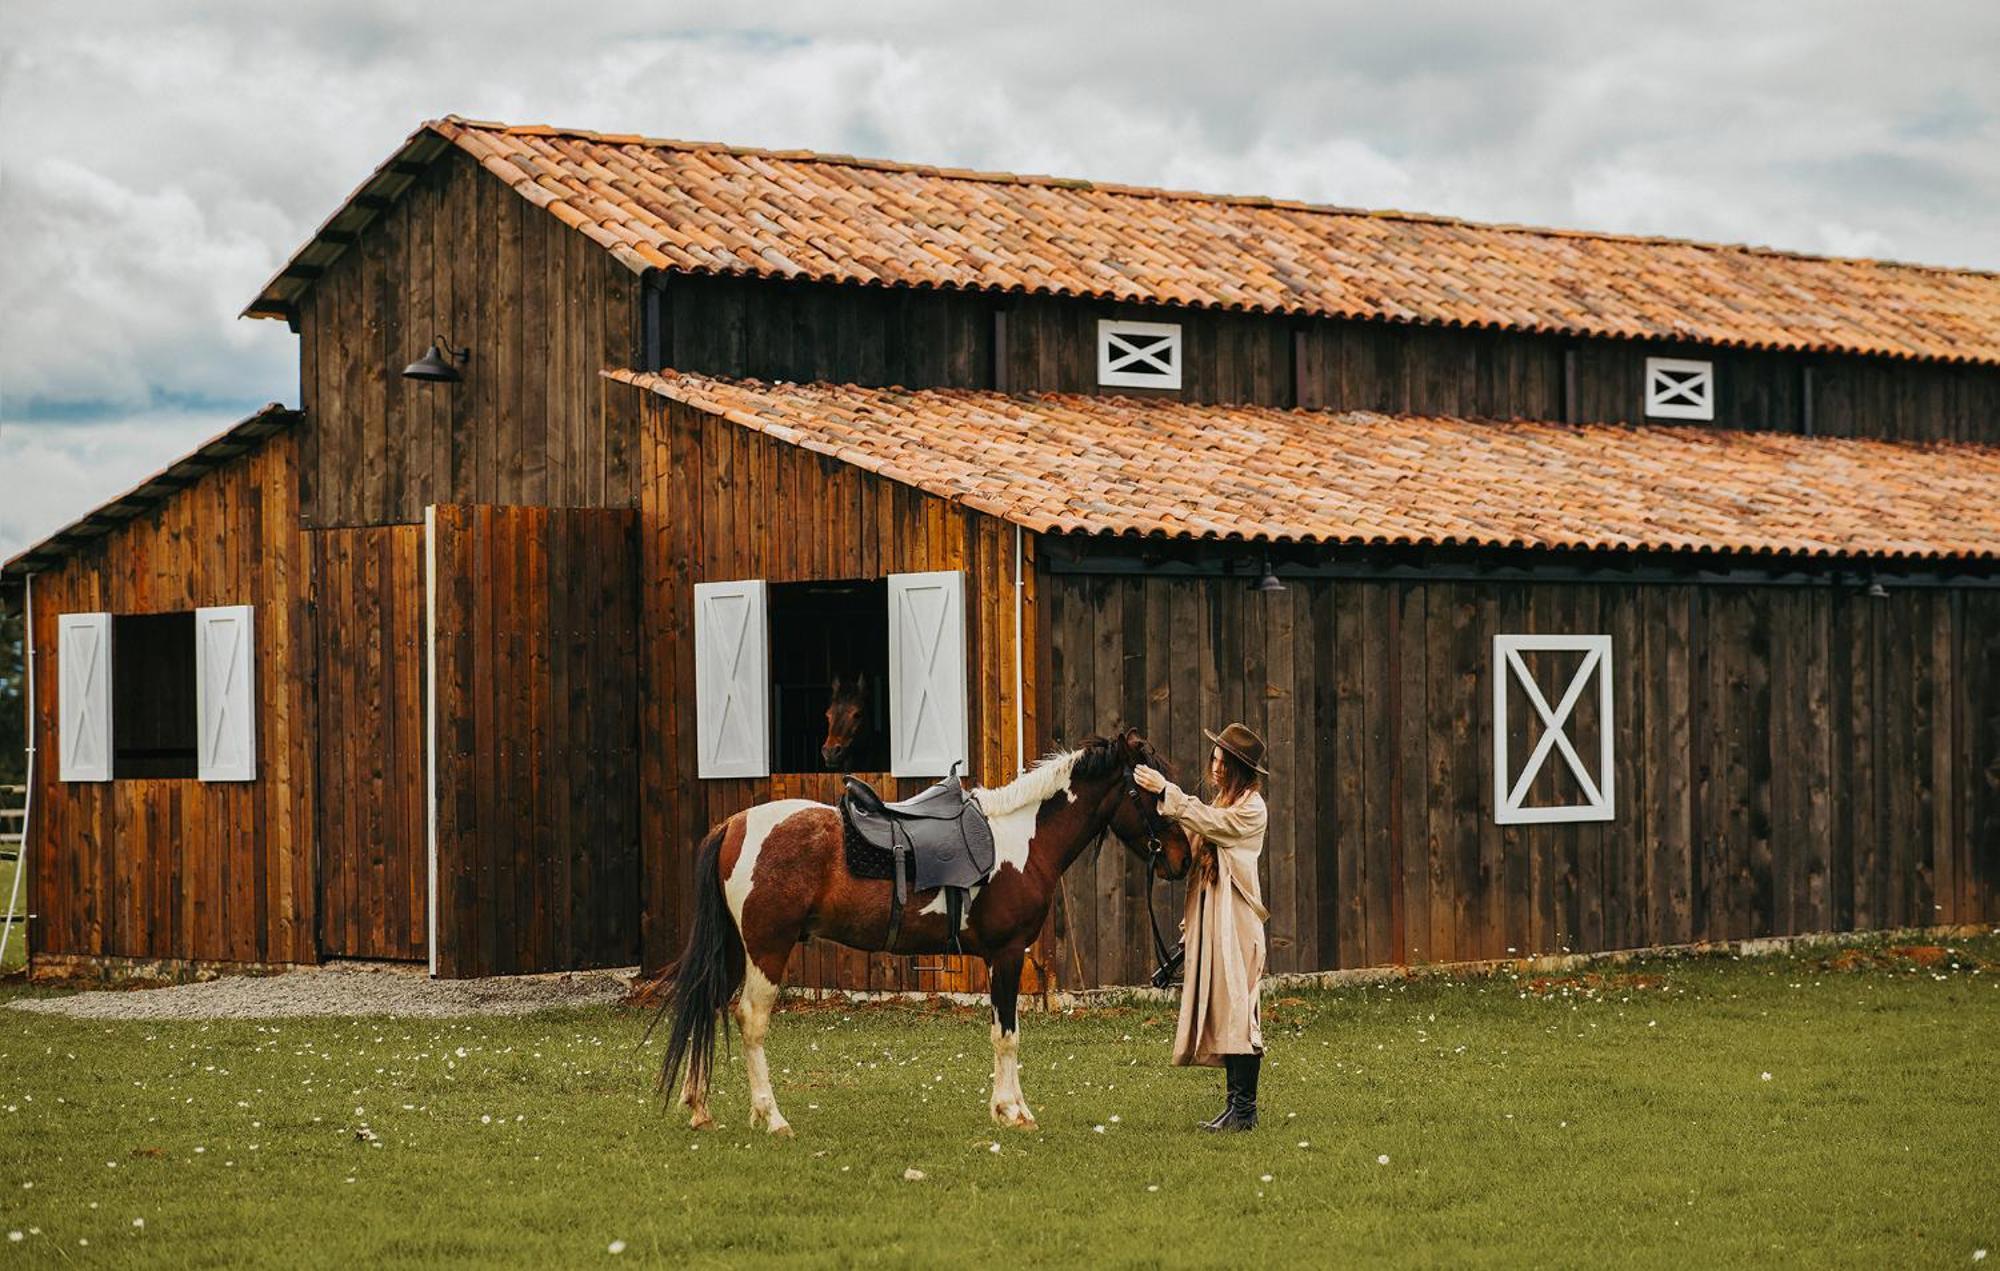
(926, 673)
(732, 678)
(83, 656)
(225, 696)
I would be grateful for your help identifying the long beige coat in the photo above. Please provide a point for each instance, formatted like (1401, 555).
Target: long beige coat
(1224, 931)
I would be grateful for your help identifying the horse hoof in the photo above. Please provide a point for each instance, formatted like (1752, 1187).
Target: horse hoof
(780, 1129)
(701, 1121)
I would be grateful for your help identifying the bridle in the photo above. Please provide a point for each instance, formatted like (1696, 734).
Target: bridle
(1157, 826)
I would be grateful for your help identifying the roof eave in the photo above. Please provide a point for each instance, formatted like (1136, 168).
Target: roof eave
(234, 442)
(377, 194)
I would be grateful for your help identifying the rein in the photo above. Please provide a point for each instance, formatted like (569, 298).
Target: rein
(1156, 830)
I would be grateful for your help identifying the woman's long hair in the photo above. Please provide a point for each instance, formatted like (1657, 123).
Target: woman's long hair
(1238, 779)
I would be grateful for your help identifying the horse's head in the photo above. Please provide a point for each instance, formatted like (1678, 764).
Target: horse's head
(1136, 819)
(846, 719)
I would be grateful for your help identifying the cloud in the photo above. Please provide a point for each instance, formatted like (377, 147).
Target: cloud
(156, 168)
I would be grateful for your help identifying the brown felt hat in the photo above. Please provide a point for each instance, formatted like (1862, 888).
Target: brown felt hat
(1244, 744)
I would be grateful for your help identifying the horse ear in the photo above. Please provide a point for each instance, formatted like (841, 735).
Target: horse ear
(838, 681)
(861, 683)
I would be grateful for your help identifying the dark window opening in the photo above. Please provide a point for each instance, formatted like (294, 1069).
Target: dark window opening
(829, 656)
(152, 695)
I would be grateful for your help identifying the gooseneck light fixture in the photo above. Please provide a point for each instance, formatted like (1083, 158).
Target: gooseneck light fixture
(1268, 580)
(436, 365)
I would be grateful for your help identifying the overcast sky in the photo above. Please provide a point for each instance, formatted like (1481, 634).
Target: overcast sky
(158, 161)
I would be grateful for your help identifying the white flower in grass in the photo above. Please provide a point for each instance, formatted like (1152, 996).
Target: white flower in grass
(1264, 1178)
(141, 1222)
(993, 1148)
(1765, 1076)
(913, 1176)
(1097, 1129)
(16, 1237)
(1382, 1159)
(1979, 1255)
(616, 1246)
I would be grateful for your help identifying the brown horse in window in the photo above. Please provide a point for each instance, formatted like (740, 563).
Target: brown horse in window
(847, 722)
(775, 874)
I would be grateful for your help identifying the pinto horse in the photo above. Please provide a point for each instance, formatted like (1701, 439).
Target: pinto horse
(775, 874)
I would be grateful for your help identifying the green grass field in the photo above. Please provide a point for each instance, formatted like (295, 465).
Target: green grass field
(1774, 1112)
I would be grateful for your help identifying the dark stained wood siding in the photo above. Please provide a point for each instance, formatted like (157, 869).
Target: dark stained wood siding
(178, 868)
(543, 310)
(722, 502)
(1789, 760)
(536, 643)
(812, 331)
(369, 605)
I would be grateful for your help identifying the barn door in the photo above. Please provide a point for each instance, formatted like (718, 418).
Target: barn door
(369, 593)
(535, 641)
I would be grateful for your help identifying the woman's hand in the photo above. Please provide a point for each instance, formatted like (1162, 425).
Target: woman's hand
(1147, 779)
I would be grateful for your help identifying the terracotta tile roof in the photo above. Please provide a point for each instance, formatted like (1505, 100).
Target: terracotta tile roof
(1114, 465)
(710, 209)
(240, 438)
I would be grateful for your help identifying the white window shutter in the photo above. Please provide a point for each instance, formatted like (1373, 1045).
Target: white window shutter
(225, 693)
(732, 679)
(927, 673)
(83, 656)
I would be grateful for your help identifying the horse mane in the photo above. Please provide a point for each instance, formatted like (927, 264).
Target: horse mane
(1052, 774)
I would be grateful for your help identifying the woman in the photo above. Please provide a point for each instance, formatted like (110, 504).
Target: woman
(1224, 926)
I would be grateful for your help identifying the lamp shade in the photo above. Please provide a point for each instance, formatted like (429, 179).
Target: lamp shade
(432, 366)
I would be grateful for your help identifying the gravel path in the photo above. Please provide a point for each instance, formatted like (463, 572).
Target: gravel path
(340, 990)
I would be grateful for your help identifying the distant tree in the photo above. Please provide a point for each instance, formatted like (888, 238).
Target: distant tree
(13, 717)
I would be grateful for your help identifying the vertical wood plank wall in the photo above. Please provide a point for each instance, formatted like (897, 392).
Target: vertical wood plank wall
(1788, 760)
(537, 646)
(372, 822)
(721, 502)
(543, 310)
(178, 868)
(871, 335)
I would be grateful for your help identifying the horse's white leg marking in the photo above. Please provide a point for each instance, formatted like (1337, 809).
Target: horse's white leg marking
(753, 1007)
(753, 1016)
(1009, 1106)
(696, 1101)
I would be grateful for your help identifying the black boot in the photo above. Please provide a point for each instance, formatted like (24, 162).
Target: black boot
(1242, 1094)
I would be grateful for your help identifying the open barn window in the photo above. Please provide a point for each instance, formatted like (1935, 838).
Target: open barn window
(862, 675)
(158, 695)
(830, 676)
(153, 720)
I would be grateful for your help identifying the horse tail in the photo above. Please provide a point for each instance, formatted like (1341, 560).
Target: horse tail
(700, 985)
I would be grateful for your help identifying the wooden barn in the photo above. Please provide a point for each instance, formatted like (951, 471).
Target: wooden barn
(1592, 592)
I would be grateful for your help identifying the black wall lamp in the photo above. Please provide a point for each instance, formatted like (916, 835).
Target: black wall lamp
(434, 366)
(1268, 581)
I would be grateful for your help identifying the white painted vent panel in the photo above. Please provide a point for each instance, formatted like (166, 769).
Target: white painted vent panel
(1138, 354)
(1511, 785)
(83, 661)
(927, 673)
(1677, 388)
(732, 674)
(225, 692)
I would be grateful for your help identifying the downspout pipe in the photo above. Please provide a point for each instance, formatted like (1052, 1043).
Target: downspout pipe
(1020, 706)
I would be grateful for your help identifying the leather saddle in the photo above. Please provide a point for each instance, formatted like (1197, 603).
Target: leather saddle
(938, 839)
